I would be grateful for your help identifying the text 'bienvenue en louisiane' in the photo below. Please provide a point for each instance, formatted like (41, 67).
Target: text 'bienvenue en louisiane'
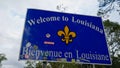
(36, 54)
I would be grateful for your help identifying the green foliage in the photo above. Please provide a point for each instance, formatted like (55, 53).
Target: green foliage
(64, 65)
(2, 58)
(29, 64)
(112, 31)
(116, 62)
(55, 65)
(39, 65)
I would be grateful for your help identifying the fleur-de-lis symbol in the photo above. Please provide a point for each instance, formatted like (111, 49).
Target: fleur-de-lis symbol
(67, 35)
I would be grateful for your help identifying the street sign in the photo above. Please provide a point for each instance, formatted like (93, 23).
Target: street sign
(64, 37)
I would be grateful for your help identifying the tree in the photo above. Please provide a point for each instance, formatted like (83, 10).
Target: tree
(116, 62)
(39, 65)
(29, 64)
(34, 64)
(107, 6)
(2, 58)
(112, 31)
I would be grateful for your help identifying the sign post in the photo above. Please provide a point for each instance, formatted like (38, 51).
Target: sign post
(64, 37)
(44, 64)
(93, 66)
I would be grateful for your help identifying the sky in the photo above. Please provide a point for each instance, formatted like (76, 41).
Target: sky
(12, 20)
